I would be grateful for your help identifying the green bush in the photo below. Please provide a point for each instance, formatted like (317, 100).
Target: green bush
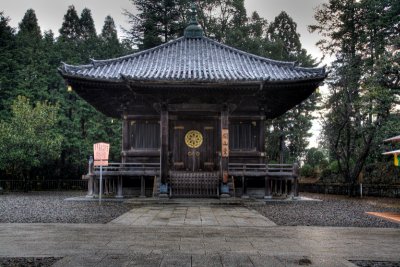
(307, 171)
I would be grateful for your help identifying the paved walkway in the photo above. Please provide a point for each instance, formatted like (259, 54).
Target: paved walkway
(192, 216)
(119, 244)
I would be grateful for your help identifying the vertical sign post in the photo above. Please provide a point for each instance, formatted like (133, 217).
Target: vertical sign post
(225, 153)
(101, 151)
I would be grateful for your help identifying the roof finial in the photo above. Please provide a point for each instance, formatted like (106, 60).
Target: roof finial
(193, 30)
(193, 14)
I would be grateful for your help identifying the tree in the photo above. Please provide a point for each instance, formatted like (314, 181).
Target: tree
(110, 44)
(29, 138)
(295, 124)
(31, 61)
(86, 25)
(156, 23)
(361, 100)
(7, 62)
(70, 29)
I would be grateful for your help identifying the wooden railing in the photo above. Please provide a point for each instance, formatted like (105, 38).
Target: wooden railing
(243, 169)
(282, 170)
(280, 179)
(263, 170)
(129, 169)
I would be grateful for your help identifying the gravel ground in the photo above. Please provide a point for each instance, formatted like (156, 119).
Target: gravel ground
(333, 210)
(50, 207)
(376, 263)
(28, 262)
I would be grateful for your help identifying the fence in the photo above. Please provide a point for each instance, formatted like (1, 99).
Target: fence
(19, 185)
(342, 189)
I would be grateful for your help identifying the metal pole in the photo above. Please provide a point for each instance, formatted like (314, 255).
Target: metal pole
(101, 183)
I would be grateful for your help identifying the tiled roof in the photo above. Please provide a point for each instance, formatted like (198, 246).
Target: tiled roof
(192, 60)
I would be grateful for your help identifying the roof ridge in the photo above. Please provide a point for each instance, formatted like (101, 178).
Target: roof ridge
(100, 62)
(279, 62)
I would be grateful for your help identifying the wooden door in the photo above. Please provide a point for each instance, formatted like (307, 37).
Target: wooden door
(193, 145)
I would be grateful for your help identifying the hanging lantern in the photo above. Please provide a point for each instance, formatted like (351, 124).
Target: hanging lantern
(69, 89)
(395, 160)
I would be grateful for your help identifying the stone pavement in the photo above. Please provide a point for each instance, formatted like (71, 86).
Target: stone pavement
(172, 215)
(118, 244)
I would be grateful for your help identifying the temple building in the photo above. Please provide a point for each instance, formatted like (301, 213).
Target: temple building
(193, 113)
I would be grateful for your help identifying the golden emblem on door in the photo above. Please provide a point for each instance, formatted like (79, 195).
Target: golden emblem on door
(193, 139)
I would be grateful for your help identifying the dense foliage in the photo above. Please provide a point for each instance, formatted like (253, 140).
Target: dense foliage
(364, 84)
(31, 136)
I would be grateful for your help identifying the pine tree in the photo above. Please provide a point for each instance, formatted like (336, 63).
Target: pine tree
(7, 63)
(110, 44)
(360, 100)
(295, 124)
(87, 28)
(156, 23)
(31, 60)
(70, 29)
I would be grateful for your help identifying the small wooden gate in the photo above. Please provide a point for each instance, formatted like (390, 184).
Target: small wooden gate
(194, 184)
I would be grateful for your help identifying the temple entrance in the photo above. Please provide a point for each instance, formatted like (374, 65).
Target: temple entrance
(194, 158)
(194, 146)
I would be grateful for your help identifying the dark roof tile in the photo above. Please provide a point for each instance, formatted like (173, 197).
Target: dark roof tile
(192, 59)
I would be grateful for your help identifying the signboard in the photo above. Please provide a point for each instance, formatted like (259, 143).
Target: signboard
(101, 151)
(225, 143)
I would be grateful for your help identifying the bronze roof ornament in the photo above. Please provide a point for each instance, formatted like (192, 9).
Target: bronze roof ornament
(193, 30)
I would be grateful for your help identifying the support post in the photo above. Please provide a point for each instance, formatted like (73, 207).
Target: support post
(90, 192)
(119, 188)
(244, 187)
(125, 135)
(267, 188)
(224, 150)
(261, 139)
(164, 150)
(142, 187)
(296, 179)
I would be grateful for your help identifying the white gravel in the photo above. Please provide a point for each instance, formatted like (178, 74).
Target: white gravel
(50, 207)
(331, 211)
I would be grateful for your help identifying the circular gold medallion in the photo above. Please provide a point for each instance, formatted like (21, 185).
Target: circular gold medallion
(193, 139)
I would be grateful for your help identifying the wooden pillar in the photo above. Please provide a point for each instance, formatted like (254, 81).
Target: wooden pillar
(224, 151)
(119, 188)
(164, 150)
(262, 140)
(125, 136)
(90, 192)
(142, 186)
(267, 188)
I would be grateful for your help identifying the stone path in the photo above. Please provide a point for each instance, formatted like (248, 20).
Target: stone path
(137, 239)
(192, 216)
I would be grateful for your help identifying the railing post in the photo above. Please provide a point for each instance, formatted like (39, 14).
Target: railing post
(90, 175)
(119, 187)
(296, 179)
(142, 187)
(267, 185)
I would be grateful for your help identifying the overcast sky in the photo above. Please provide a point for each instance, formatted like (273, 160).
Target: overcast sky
(50, 14)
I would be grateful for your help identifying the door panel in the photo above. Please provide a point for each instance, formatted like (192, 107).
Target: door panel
(191, 154)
